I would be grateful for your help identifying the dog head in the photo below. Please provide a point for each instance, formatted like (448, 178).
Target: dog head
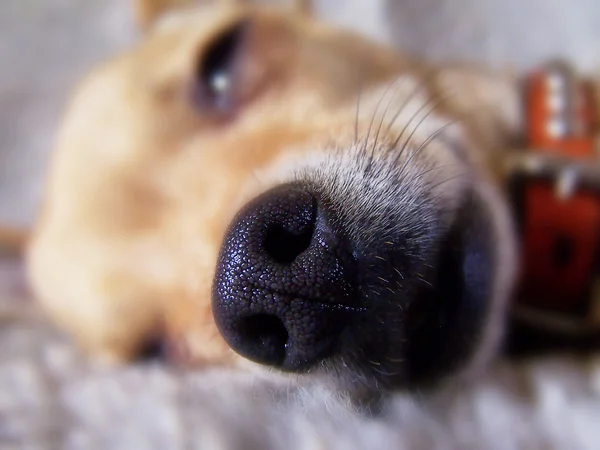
(254, 179)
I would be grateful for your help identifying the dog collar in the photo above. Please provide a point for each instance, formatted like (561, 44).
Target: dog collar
(555, 185)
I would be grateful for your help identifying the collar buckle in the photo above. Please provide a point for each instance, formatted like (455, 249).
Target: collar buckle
(556, 187)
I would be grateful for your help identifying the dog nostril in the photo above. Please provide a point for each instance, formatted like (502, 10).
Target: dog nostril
(266, 337)
(284, 246)
(283, 281)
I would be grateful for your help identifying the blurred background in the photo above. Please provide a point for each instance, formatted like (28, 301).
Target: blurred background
(47, 46)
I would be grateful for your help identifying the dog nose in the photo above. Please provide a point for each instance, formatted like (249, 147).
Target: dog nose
(285, 285)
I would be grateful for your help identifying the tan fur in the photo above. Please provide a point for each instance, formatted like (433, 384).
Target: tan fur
(143, 184)
(12, 240)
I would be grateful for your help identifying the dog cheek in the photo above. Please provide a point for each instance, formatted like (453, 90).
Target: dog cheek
(192, 338)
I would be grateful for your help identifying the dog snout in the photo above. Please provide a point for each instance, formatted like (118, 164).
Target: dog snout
(285, 286)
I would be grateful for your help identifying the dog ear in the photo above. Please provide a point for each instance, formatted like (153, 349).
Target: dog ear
(146, 12)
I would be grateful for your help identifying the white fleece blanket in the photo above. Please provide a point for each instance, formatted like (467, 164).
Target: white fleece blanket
(50, 398)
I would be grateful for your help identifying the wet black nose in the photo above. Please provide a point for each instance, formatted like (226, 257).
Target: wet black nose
(285, 286)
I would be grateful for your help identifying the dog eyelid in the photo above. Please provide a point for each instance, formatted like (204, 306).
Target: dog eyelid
(215, 89)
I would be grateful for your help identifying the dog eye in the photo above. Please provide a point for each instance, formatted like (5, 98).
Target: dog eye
(217, 74)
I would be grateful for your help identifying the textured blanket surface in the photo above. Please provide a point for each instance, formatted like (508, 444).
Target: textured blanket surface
(52, 398)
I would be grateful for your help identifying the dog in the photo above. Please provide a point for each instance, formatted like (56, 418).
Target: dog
(251, 187)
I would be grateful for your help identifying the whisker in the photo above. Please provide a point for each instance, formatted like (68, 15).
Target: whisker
(422, 146)
(409, 97)
(431, 169)
(423, 280)
(436, 104)
(375, 113)
(388, 374)
(385, 111)
(396, 360)
(358, 98)
(371, 157)
(431, 188)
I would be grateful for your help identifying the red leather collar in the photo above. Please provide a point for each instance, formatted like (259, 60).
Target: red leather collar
(556, 185)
